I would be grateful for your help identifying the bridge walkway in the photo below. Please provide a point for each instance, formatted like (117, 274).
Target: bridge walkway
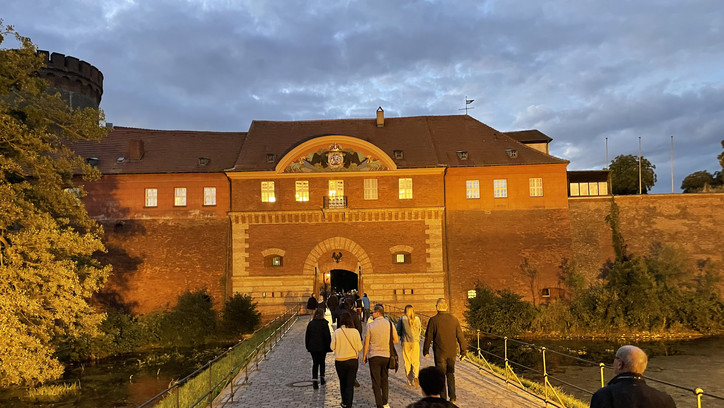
(284, 380)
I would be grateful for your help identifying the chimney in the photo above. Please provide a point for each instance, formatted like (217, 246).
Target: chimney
(380, 117)
(135, 149)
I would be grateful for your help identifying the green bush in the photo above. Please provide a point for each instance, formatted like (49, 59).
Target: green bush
(191, 322)
(239, 315)
(500, 312)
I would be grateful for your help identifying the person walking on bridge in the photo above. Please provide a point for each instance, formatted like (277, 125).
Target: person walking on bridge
(444, 334)
(346, 344)
(409, 328)
(377, 352)
(317, 340)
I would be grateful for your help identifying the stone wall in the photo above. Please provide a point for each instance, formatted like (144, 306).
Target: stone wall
(154, 261)
(693, 222)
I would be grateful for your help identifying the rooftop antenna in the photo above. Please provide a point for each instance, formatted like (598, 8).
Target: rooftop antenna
(467, 102)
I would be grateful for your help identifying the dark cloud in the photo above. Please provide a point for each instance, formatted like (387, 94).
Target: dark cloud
(579, 71)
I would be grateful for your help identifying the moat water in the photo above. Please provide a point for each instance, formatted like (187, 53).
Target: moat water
(130, 381)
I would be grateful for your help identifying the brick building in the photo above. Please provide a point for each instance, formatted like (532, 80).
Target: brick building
(405, 209)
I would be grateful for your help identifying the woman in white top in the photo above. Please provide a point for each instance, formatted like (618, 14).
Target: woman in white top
(346, 344)
(409, 328)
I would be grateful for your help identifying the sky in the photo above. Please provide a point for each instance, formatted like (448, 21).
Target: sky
(587, 73)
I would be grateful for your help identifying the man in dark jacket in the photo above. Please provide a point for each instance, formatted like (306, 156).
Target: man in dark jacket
(445, 335)
(628, 388)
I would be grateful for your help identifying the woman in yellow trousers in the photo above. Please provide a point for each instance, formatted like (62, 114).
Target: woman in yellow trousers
(409, 329)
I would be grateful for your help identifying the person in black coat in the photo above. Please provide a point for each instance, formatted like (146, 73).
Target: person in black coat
(317, 341)
(628, 388)
(332, 304)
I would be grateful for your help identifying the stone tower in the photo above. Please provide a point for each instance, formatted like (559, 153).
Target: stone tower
(79, 83)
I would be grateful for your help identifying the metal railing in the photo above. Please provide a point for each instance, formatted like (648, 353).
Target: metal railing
(334, 202)
(203, 385)
(549, 393)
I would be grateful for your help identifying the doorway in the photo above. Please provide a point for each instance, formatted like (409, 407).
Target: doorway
(342, 280)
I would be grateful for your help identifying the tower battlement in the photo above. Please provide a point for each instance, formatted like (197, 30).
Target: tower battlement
(79, 82)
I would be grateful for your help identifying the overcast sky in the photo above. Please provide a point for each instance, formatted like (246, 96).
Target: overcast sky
(579, 71)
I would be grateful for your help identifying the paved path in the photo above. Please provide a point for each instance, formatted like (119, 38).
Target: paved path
(284, 380)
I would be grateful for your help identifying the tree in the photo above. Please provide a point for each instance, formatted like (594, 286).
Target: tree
(697, 181)
(625, 175)
(240, 315)
(47, 240)
(721, 156)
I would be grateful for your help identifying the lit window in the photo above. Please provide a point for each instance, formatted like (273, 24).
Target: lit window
(267, 192)
(209, 195)
(472, 294)
(302, 188)
(536, 187)
(179, 196)
(602, 188)
(584, 188)
(500, 188)
(400, 258)
(575, 192)
(405, 185)
(151, 197)
(593, 189)
(336, 194)
(472, 189)
(273, 260)
(370, 189)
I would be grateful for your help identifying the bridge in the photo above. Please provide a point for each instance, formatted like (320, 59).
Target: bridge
(284, 380)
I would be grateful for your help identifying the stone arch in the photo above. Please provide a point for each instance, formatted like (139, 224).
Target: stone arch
(401, 248)
(337, 243)
(273, 251)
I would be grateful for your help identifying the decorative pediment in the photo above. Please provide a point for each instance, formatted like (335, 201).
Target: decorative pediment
(335, 154)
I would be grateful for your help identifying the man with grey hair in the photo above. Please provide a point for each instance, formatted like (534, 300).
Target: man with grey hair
(445, 334)
(628, 388)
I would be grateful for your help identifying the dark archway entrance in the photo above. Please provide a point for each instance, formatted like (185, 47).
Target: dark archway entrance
(343, 280)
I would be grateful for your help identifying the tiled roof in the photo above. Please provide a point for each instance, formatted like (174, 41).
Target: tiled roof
(164, 151)
(426, 141)
(529, 136)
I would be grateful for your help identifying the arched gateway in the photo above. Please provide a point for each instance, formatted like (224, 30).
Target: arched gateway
(336, 253)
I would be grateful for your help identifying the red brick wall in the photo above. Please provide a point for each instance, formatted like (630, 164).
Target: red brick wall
(123, 196)
(490, 247)
(693, 222)
(156, 260)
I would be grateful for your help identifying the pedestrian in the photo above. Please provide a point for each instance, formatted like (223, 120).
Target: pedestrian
(432, 382)
(409, 328)
(332, 304)
(628, 388)
(349, 302)
(317, 340)
(377, 351)
(312, 305)
(366, 306)
(346, 344)
(445, 335)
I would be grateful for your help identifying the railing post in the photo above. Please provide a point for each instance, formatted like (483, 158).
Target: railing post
(478, 333)
(177, 396)
(545, 375)
(506, 358)
(231, 373)
(698, 392)
(211, 393)
(603, 384)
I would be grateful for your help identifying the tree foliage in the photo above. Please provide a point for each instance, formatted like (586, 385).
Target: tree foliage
(240, 315)
(625, 175)
(47, 273)
(697, 181)
(500, 312)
